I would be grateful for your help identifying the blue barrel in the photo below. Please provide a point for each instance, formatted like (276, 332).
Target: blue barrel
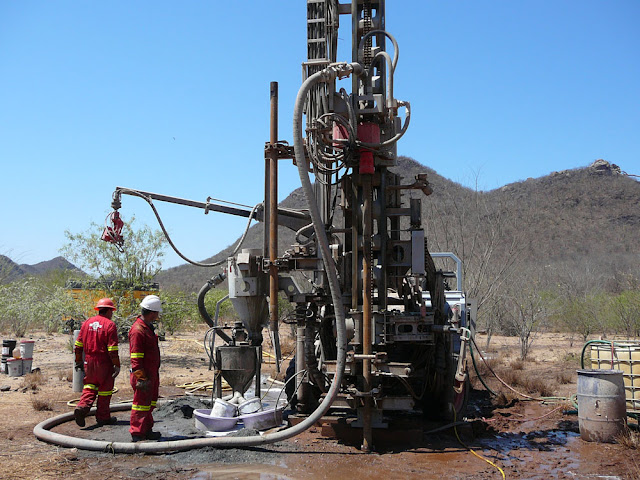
(602, 410)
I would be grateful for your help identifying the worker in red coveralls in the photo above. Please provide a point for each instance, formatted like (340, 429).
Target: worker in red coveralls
(98, 339)
(145, 363)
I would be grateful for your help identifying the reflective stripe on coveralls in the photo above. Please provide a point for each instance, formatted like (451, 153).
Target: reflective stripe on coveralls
(98, 340)
(145, 362)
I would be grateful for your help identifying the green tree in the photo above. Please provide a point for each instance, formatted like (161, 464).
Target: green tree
(178, 308)
(34, 303)
(119, 272)
(227, 312)
(136, 264)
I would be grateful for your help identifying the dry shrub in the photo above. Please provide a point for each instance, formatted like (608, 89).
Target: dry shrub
(66, 375)
(511, 377)
(571, 359)
(517, 364)
(40, 404)
(504, 399)
(31, 381)
(538, 385)
(629, 440)
(564, 377)
(193, 347)
(484, 367)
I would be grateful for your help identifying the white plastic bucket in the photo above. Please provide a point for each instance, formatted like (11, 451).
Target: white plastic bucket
(26, 365)
(26, 348)
(222, 408)
(250, 406)
(14, 367)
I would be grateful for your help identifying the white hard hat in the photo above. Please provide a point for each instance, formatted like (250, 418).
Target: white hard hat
(152, 302)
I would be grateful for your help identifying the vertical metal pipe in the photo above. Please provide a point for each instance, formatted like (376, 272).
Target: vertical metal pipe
(367, 260)
(273, 226)
(301, 380)
(265, 231)
(355, 248)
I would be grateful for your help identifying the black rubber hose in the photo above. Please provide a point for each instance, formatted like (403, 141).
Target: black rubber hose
(202, 309)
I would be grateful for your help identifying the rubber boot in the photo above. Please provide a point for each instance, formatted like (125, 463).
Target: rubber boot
(109, 421)
(79, 415)
(153, 435)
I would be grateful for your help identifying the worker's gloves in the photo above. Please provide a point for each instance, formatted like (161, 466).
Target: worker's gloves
(116, 371)
(143, 385)
(79, 366)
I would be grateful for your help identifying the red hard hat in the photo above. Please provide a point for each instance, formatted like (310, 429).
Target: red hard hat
(104, 303)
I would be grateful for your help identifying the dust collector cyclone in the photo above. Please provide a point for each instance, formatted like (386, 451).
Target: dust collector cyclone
(247, 287)
(237, 365)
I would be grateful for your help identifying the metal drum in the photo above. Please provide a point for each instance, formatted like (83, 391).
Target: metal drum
(602, 411)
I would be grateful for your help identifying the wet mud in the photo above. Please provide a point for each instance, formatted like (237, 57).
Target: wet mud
(526, 439)
(548, 448)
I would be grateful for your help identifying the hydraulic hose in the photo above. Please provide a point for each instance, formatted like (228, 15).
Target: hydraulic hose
(166, 233)
(211, 283)
(42, 430)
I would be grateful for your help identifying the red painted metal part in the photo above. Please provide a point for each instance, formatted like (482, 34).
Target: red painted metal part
(369, 133)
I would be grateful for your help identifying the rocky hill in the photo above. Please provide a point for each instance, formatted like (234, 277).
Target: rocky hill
(10, 270)
(586, 218)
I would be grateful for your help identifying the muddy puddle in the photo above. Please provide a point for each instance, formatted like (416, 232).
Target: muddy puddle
(242, 472)
(547, 448)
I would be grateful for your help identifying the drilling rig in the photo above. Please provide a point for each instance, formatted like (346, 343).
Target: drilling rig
(379, 328)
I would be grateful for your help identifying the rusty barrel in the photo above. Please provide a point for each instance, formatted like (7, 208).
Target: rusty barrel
(602, 413)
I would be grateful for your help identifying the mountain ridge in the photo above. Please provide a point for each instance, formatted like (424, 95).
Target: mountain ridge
(563, 209)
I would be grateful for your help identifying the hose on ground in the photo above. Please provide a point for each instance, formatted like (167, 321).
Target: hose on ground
(42, 430)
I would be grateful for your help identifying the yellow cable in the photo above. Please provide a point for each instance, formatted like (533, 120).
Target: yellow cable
(185, 340)
(455, 429)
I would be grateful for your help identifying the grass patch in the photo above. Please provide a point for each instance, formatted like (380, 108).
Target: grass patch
(564, 377)
(543, 387)
(33, 380)
(517, 364)
(66, 375)
(504, 399)
(629, 440)
(484, 366)
(572, 359)
(40, 404)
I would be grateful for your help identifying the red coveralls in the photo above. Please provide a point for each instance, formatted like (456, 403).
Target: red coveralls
(99, 339)
(145, 363)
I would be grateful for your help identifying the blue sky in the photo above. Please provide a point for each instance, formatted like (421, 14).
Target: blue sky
(173, 97)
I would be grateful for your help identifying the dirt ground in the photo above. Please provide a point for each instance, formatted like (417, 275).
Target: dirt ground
(527, 439)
